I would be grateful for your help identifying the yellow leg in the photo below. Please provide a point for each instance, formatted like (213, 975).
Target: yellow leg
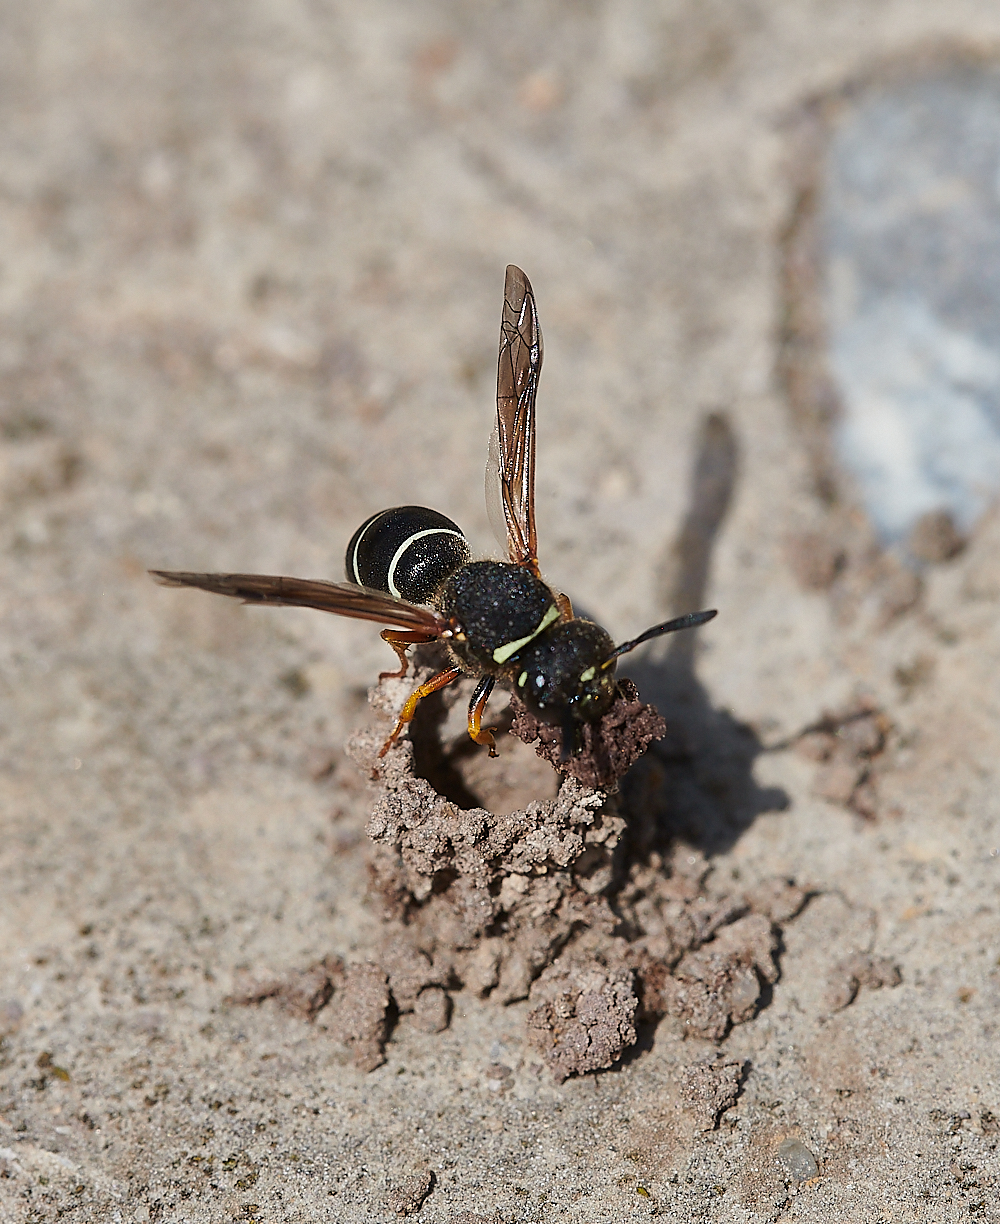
(399, 640)
(477, 707)
(409, 709)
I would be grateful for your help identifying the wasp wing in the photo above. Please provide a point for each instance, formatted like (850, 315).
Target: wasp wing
(341, 598)
(510, 467)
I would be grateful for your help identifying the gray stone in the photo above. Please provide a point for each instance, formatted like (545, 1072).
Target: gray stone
(798, 1161)
(911, 230)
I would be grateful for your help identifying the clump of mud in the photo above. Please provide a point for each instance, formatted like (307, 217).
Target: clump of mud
(606, 750)
(547, 902)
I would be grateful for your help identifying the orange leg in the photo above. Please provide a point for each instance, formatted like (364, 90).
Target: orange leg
(565, 607)
(399, 639)
(424, 690)
(477, 707)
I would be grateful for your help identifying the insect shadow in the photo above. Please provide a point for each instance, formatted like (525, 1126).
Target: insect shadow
(697, 783)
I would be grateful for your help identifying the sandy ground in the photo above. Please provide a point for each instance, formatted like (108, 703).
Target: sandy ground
(250, 278)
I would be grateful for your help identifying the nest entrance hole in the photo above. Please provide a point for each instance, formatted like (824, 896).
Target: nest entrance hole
(463, 771)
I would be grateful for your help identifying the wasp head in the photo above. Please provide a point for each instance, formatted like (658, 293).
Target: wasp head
(564, 674)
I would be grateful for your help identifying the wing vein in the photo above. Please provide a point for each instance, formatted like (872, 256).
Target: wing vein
(340, 598)
(518, 369)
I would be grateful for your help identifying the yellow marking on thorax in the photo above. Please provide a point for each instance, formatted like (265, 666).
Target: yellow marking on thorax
(504, 652)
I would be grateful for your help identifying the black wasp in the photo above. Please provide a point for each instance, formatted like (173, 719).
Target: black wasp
(411, 568)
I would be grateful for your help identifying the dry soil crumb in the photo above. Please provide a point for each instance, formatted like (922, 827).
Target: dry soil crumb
(499, 1077)
(719, 984)
(360, 1013)
(302, 992)
(935, 537)
(780, 899)
(850, 974)
(815, 558)
(607, 749)
(584, 1018)
(847, 745)
(409, 1196)
(411, 973)
(432, 1010)
(710, 1088)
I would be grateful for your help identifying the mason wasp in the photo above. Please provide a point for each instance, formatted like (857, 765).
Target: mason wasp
(411, 568)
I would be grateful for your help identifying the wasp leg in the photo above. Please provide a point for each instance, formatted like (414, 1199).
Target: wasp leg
(565, 607)
(424, 690)
(399, 639)
(477, 707)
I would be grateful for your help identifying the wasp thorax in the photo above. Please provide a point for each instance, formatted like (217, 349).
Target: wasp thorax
(500, 608)
(562, 673)
(408, 551)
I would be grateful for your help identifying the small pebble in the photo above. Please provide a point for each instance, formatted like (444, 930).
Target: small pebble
(863, 736)
(798, 1161)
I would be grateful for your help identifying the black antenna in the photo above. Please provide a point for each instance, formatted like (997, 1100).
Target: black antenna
(690, 621)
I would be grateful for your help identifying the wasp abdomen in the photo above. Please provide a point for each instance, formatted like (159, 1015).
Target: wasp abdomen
(409, 551)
